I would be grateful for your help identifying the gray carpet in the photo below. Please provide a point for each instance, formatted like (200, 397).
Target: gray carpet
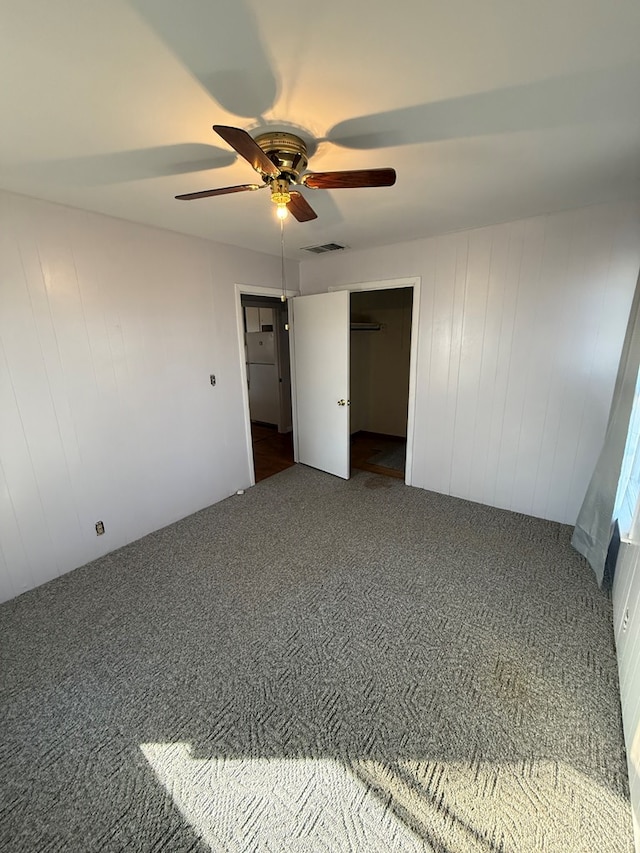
(317, 665)
(393, 456)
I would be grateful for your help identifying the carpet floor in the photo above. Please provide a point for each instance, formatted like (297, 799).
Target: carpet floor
(392, 457)
(317, 665)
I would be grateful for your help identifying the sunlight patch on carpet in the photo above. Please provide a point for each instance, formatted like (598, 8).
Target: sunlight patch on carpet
(277, 804)
(513, 807)
(322, 804)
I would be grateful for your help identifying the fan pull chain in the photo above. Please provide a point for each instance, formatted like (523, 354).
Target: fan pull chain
(283, 296)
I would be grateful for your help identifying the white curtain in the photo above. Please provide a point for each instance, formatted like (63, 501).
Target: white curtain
(592, 533)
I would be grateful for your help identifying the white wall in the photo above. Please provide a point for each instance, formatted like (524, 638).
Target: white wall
(521, 327)
(108, 333)
(626, 615)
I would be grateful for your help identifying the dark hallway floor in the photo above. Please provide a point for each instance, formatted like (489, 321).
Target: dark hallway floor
(273, 451)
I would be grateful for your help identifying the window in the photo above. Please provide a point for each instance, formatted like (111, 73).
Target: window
(627, 506)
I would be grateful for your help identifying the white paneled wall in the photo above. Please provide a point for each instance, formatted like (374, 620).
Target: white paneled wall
(108, 334)
(626, 614)
(109, 331)
(520, 331)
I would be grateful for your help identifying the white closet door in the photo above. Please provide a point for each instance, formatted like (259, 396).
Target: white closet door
(321, 329)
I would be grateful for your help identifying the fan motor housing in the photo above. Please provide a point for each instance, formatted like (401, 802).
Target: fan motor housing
(287, 150)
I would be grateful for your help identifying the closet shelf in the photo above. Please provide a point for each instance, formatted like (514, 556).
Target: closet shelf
(365, 327)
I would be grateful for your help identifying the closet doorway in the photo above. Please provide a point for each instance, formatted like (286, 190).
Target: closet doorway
(380, 395)
(380, 354)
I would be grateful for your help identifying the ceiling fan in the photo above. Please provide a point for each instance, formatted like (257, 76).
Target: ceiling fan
(281, 159)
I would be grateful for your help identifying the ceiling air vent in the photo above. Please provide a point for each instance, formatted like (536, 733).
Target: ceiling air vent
(326, 247)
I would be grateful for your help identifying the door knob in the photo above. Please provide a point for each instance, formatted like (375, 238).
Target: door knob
(344, 402)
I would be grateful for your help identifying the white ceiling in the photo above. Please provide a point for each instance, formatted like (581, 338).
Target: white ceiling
(488, 111)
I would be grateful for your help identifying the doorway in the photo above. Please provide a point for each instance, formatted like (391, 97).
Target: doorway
(380, 354)
(266, 355)
(321, 365)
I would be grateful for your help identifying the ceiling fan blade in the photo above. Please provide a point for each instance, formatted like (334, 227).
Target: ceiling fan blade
(300, 207)
(351, 179)
(248, 148)
(220, 191)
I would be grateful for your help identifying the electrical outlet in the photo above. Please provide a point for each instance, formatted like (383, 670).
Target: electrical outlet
(212, 379)
(99, 528)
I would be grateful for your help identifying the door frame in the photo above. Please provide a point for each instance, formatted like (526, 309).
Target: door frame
(414, 282)
(251, 290)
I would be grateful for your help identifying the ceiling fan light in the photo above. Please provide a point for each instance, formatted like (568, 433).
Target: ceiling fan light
(282, 210)
(280, 197)
(280, 191)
